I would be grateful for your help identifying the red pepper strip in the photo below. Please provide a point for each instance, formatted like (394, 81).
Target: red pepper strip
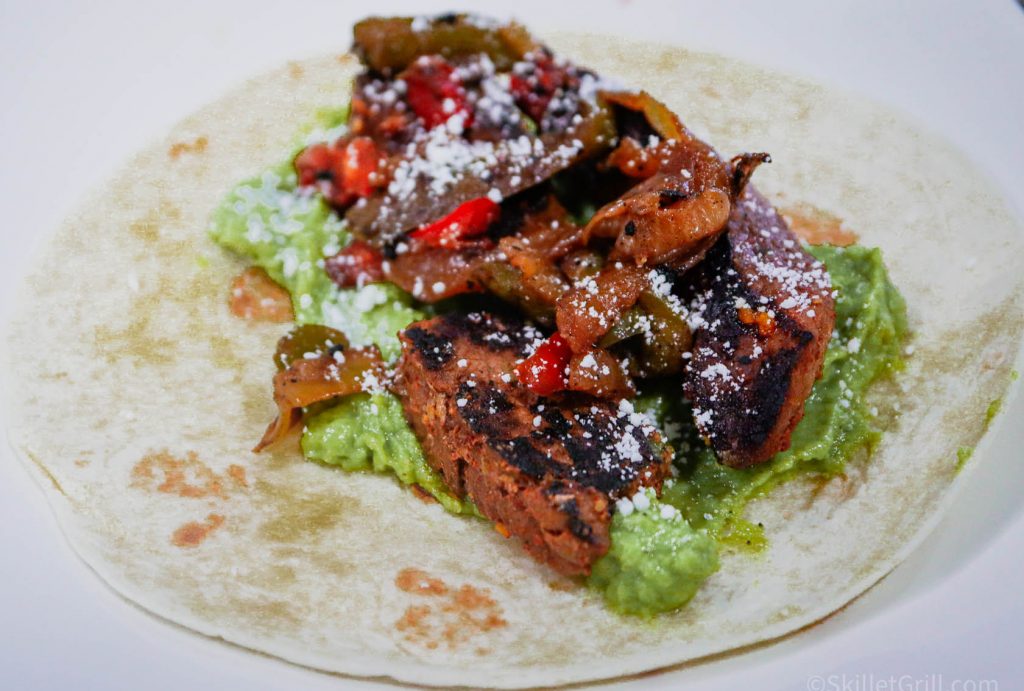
(430, 83)
(356, 265)
(316, 162)
(544, 371)
(360, 161)
(534, 90)
(468, 220)
(350, 168)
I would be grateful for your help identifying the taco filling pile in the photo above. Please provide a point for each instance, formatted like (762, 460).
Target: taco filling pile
(534, 296)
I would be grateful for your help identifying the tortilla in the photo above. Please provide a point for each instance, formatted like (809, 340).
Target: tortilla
(136, 397)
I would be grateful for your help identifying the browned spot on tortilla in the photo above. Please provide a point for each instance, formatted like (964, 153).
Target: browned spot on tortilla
(416, 581)
(710, 91)
(413, 623)
(196, 146)
(298, 515)
(818, 227)
(839, 487)
(455, 617)
(81, 462)
(187, 477)
(994, 359)
(192, 534)
(237, 473)
(472, 610)
(422, 494)
(255, 295)
(562, 585)
(147, 227)
(295, 70)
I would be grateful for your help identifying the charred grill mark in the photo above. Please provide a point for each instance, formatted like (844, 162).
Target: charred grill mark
(767, 314)
(669, 196)
(547, 468)
(576, 526)
(515, 210)
(556, 428)
(769, 391)
(434, 350)
(497, 341)
(483, 407)
(590, 452)
(497, 334)
(522, 454)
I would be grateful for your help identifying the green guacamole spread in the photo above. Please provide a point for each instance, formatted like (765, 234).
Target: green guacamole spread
(663, 549)
(289, 234)
(838, 422)
(369, 432)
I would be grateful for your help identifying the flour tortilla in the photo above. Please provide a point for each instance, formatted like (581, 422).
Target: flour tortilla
(125, 349)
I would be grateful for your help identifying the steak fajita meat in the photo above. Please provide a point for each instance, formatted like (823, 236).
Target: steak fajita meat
(765, 313)
(548, 469)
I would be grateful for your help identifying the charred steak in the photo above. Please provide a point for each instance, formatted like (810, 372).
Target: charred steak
(548, 469)
(765, 315)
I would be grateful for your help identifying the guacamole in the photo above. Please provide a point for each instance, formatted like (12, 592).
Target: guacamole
(657, 559)
(289, 233)
(369, 432)
(838, 422)
(661, 549)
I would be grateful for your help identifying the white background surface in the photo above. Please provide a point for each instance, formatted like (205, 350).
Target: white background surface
(83, 85)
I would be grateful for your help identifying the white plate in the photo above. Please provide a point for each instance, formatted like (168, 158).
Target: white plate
(83, 86)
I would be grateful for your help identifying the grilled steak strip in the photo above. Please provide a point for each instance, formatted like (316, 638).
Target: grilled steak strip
(548, 469)
(766, 314)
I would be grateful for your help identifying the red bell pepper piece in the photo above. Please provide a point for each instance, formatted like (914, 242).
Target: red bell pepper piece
(544, 371)
(360, 162)
(350, 168)
(316, 162)
(468, 220)
(356, 265)
(534, 90)
(434, 92)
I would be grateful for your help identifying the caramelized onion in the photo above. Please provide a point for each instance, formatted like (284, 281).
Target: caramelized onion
(314, 364)
(434, 274)
(598, 373)
(648, 231)
(662, 120)
(633, 160)
(743, 166)
(309, 381)
(590, 309)
(307, 340)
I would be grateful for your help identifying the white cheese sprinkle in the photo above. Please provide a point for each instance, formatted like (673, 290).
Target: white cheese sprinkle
(641, 501)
